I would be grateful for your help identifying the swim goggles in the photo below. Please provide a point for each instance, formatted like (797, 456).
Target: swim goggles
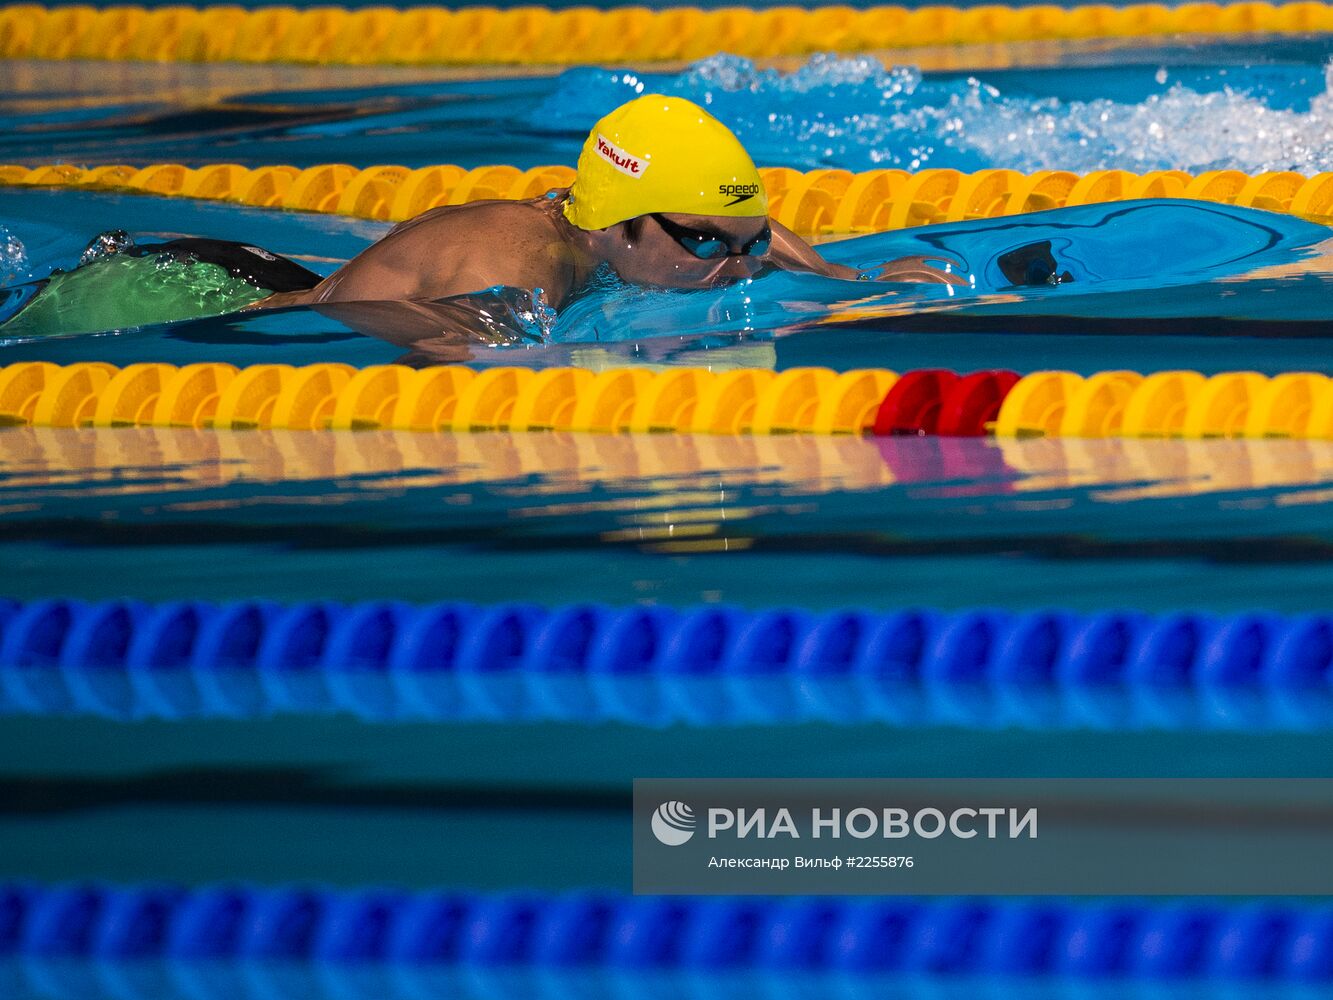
(712, 246)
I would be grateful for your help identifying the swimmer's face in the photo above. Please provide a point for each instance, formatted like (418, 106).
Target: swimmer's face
(662, 250)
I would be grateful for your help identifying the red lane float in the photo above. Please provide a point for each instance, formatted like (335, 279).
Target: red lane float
(938, 401)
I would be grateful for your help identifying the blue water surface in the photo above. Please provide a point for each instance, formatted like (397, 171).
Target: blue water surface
(162, 514)
(1251, 105)
(1173, 269)
(1174, 273)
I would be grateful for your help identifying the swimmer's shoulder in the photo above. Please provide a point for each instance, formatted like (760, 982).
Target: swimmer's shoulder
(530, 216)
(459, 249)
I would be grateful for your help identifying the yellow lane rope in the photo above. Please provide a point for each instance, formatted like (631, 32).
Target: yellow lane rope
(333, 396)
(815, 203)
(537, 35)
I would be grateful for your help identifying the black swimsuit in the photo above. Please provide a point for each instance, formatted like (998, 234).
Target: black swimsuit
(251, 264)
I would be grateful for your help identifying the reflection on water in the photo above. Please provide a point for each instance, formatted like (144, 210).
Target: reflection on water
(823, 522)
(62, 111)
(68, 979)
(658, 477)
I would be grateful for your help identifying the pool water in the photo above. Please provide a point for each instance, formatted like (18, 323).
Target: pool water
(815, 523)
(1177, 269)
(1251, 105)
(1214, 526)
(1202, 271)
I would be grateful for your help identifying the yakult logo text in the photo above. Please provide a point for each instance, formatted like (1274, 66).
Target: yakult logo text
(629, 165)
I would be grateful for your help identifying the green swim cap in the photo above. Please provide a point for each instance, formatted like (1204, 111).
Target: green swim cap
(662, 154)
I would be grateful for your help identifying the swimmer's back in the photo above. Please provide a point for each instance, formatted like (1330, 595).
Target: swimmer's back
(457, 249)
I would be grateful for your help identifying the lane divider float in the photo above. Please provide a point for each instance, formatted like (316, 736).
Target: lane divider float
(655, 666)
(823, 202)
(533, 35)
(333, 396)
(373, 928)
(1169, 404)
(340, 397)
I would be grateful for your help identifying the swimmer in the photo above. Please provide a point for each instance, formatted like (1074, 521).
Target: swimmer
(664, 196)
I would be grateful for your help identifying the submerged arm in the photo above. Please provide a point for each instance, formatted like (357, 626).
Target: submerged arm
(791, 253)
(466, 274)
(495, 316)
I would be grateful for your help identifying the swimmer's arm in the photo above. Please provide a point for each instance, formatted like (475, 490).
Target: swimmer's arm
(791, 253)
(363, 279)
(410, 312)
(413, 324)
(399, 322)
(455, 321)
(377, 274)
(427, 283)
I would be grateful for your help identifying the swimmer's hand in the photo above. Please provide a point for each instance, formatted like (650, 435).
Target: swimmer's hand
(914, 269)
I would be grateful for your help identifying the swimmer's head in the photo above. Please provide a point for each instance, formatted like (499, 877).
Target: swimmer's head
(671, 196)
(662, 155)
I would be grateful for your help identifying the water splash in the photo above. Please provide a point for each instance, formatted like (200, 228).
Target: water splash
(1180, 129)
(14, 263)
(822, 71)
(506, 316)
(857, 114)
(609, 309)
(105, 244)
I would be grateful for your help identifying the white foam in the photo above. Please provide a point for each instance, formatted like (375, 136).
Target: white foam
(854, 111)
(1181, 129)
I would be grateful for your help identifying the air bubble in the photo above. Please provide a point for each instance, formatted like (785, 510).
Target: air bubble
(14, 265)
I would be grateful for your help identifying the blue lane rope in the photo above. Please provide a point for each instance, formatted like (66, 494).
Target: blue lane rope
(651, 666)
(1083, 940)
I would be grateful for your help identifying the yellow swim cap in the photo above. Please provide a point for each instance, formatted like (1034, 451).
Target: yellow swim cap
(662, 154)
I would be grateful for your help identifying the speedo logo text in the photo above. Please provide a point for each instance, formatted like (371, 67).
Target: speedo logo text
(737, 192)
